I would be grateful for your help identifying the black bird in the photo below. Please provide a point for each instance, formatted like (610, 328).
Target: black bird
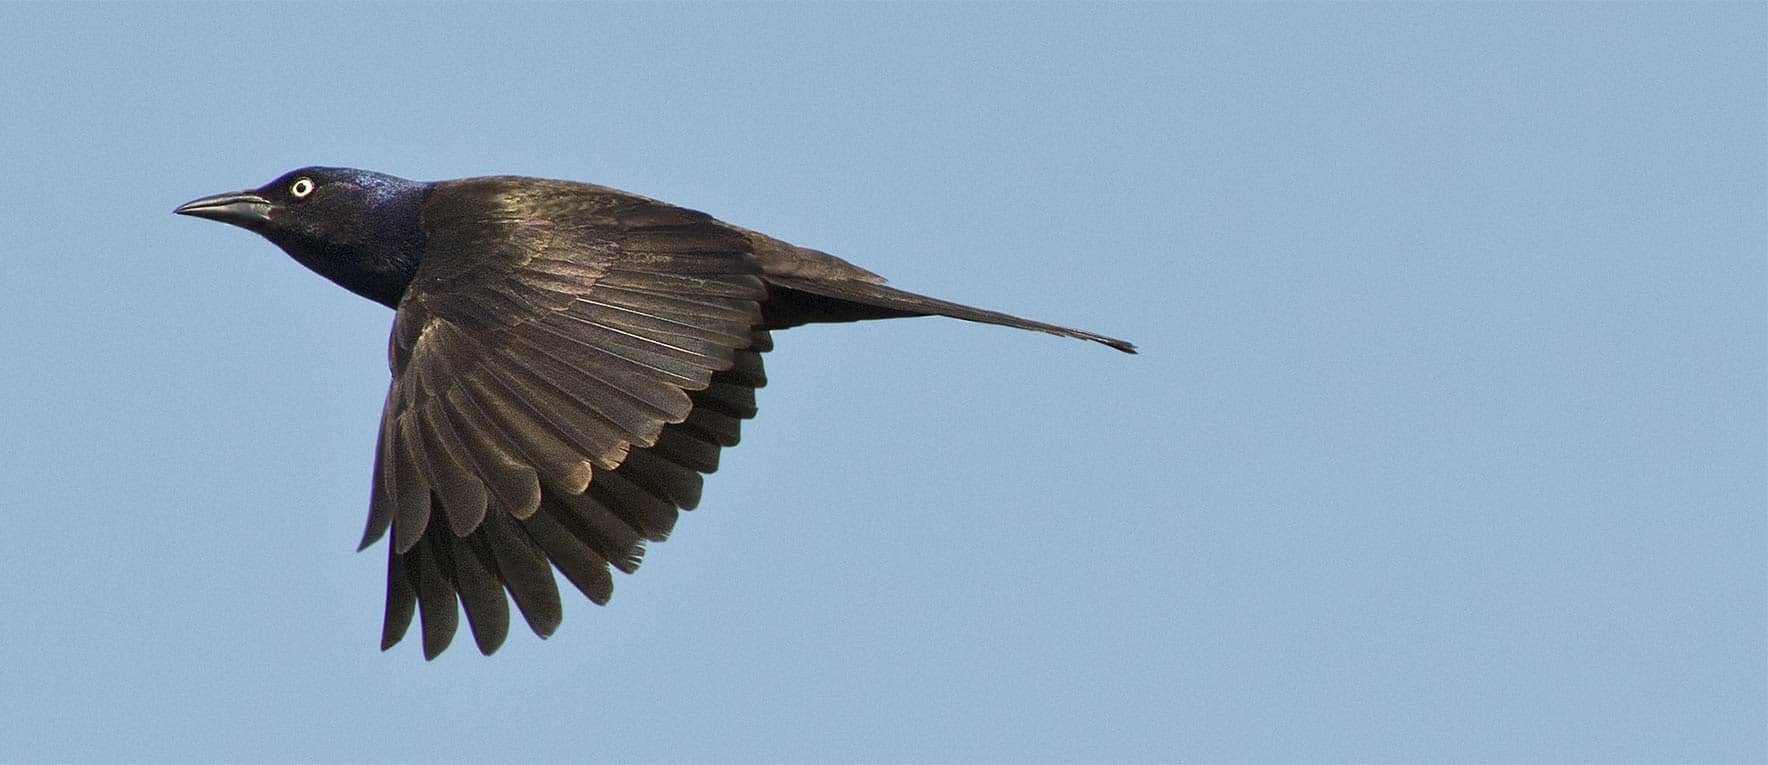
(567, 360)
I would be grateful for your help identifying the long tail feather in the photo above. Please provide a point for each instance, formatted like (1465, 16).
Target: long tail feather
(793, 301)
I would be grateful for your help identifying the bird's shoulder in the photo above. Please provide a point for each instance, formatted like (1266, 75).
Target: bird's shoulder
(541, 237)
(502, 252)
(563, 204)
(467, 215)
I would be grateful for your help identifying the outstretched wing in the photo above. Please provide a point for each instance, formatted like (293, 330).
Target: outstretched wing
(566, 364)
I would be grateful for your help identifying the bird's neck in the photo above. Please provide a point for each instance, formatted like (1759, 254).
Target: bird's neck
(381, 255)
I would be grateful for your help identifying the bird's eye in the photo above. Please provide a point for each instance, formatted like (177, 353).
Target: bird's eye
(301, 187)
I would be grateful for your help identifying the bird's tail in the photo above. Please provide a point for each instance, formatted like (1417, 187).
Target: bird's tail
(793, 301)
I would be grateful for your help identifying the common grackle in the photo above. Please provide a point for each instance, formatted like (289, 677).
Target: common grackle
(567, 360)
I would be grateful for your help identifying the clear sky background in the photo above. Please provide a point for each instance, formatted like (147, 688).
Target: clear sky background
(1447, 441)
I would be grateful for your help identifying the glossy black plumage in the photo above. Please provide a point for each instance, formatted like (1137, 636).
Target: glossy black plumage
(568, 360)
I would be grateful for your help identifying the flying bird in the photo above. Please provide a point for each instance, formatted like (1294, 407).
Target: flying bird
(568, 360)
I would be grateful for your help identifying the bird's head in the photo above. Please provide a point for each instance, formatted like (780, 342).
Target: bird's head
(358, 228)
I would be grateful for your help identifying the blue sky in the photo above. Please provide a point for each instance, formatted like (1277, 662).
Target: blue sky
(1447, 441)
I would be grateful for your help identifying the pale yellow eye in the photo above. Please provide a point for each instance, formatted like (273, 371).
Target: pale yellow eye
(301, 187)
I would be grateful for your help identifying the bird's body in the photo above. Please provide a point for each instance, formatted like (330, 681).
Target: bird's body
(567, 360)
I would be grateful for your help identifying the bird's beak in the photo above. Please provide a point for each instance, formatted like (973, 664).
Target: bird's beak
(243, 208)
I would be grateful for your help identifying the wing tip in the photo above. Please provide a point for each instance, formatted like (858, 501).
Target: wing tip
(491, 640)
(1122, 345)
